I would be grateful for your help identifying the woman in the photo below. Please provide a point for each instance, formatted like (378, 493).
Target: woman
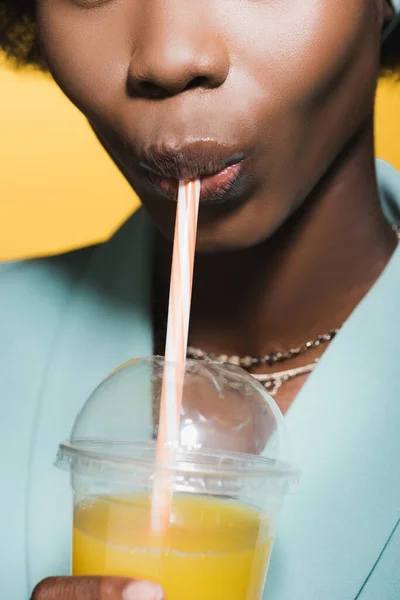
(295, 239)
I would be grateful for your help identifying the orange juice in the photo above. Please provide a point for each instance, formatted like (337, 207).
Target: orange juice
(213, 549)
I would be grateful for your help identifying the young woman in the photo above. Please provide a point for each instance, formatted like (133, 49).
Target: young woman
(271, 103)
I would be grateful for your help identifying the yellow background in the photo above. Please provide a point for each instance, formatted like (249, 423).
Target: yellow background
(58, 188)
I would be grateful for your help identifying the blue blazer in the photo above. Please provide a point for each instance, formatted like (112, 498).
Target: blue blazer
(66, 322)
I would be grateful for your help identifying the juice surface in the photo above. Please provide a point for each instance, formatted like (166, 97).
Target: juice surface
(213, 549)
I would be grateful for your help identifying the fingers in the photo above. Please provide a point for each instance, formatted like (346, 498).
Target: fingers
(96, 588)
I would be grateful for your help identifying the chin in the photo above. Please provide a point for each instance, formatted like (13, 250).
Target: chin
(239, 232)
(225, 240)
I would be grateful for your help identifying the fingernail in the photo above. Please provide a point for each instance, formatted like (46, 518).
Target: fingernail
(143, 590)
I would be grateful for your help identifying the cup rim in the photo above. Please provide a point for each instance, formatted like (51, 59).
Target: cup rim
(84, 454)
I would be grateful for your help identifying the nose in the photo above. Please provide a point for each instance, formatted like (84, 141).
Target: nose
(175, 51)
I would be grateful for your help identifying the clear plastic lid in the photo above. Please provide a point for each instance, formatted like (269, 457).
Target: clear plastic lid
(225, 413)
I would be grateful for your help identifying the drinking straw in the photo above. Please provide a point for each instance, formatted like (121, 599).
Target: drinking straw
(176, 346)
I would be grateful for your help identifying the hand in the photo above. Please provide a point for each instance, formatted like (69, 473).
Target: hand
(96, 588)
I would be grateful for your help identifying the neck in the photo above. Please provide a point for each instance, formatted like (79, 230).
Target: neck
(304, 280)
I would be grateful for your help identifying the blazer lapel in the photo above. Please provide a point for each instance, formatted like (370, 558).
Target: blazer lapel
(345, 427)
(34, 296)
(107, 322)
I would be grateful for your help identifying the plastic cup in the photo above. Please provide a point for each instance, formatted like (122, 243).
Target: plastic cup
(230, 473)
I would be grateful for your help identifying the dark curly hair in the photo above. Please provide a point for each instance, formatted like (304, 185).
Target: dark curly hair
(18, 33)
(19, 39)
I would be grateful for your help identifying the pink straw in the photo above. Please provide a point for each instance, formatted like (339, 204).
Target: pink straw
(176, 345)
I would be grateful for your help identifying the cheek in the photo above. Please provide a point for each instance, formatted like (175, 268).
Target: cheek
(315, 69)
(312, 72)
(88, 52)
(294, 52)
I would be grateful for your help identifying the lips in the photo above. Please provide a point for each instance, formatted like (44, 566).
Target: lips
(211, 185)
(218, 167)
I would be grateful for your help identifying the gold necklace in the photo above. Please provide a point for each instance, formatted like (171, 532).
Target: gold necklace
(274, 381)
(270, 359)
(271, 381)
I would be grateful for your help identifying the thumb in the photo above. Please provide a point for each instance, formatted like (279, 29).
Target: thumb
(142, 590)
(96, 588)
